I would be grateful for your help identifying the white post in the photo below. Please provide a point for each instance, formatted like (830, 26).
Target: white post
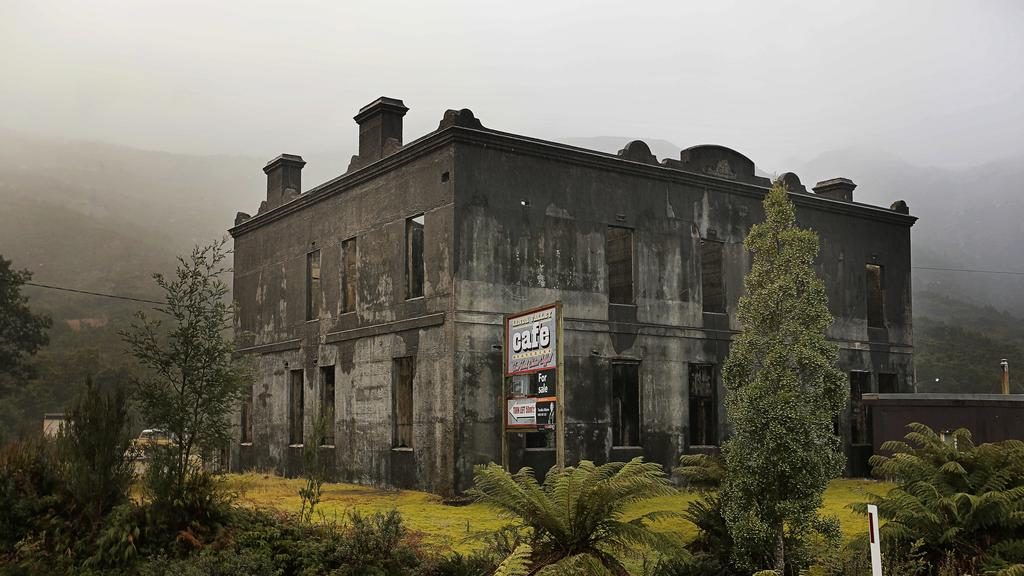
(876, 544)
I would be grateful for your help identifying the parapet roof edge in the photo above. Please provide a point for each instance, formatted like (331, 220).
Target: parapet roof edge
(438, 138)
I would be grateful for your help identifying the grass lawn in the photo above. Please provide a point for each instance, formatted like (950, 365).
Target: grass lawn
(459, 527)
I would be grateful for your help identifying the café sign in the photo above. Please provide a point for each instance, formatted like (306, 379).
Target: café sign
(531, 341)
(533, 387)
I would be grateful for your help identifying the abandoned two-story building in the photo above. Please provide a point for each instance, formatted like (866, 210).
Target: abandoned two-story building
(373, 304)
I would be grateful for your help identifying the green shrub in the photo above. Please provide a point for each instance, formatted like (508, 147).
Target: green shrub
(959, 504)
(714, 548)
(58, 495)
(28, 489)
(855, 559)
(213, 563)
(315, 471)
(377, 544)
(480, 563)
(94, 456)
(192, 513)
(117, 540)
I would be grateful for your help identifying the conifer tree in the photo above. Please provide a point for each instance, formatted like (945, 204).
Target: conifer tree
(783, 393)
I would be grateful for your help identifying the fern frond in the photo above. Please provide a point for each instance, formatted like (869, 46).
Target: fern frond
(517, 563)
(577, 565)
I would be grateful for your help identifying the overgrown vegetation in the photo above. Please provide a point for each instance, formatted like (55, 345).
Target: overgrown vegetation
(66, 510)
(315, 472)
(191, 385)
(94, 454)
(65, 504)
(68, 496)
(574, 522)
(957, 507)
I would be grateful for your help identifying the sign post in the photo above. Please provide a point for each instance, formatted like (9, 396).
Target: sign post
(560, 393)
(876, 545)
(533, 366)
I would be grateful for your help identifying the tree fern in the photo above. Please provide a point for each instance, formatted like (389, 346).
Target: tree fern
(702, 471)
(517, 563)
(962, 500)
(577, 516)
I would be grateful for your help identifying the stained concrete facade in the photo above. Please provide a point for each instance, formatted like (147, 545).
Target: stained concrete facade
(511, 223)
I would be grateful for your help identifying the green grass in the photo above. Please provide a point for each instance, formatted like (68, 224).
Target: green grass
(460, 527)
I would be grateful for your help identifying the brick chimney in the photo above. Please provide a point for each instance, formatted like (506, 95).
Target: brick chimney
(380, 130)
(284, 179)
(836, 189)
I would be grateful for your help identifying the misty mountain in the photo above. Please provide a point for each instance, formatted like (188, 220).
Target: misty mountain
(968, 219)
(180, 199)
(101, 217)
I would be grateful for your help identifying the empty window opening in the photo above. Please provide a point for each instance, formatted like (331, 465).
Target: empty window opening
(860, 420)
(296, 407)
(888, 384)
(404, 374)
(625, 404)
(246, 421)
(711, 282)
(876, 296)
(539, 440)
(619, 255)
(348, 275)
(327, 405)
(313, 285)
(414, 256)
(703, 405)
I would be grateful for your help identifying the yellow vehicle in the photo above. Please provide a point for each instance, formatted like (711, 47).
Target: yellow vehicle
(142, 447)
(151, 437)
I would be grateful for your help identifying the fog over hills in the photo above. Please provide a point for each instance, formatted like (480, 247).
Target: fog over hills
(969, 218)
(103, 217)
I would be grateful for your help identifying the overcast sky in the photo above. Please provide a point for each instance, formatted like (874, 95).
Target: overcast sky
(935, 82)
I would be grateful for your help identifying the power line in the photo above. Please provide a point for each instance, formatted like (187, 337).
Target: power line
(969, 270)
(116, 297)
(131, 299)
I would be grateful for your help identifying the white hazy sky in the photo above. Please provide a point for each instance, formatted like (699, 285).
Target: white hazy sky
(935, 82)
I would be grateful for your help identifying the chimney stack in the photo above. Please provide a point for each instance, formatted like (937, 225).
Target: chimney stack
(284, 179)
(380, 130)
(836, 189)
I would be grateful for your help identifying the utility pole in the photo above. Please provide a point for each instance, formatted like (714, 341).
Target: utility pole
(1006, 375)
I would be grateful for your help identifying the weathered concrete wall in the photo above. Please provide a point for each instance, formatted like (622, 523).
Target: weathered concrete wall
(530, 229)
(270, 292)
(512, 223)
